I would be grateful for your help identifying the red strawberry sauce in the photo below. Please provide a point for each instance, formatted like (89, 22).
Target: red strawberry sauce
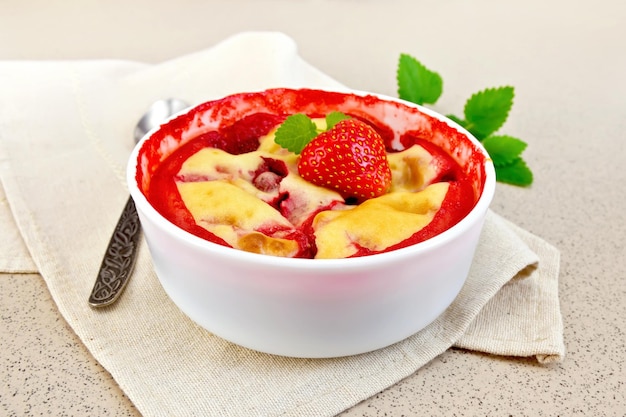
(235, 123)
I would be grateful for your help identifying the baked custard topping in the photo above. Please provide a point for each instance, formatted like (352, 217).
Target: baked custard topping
(257, 202)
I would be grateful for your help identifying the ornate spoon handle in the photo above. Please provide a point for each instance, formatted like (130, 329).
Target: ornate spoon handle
(119, 259)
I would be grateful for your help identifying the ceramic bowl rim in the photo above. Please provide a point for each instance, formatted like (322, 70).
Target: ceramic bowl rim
(384, 258)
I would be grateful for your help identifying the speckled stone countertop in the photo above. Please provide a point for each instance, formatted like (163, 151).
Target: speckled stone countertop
(566, 63)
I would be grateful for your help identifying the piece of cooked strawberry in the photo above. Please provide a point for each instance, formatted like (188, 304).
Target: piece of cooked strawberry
(349, 158)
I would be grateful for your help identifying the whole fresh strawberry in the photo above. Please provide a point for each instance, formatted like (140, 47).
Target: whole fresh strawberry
(350, 158)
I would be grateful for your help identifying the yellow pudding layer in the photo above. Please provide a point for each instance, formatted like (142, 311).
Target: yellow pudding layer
(235, 197)
(377, 223)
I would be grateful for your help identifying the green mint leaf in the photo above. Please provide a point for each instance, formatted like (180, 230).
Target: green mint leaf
(416, 83)
(457, 120)
(516, 173)
(487, 110)
(504, 150)
(295, 132)
(335, 117)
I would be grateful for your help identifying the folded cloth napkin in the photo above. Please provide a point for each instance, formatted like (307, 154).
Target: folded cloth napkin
(65, 136)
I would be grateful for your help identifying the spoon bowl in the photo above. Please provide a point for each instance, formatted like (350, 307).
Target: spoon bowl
(158, 112)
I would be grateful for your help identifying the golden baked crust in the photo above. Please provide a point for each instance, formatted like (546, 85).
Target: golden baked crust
(261, 211)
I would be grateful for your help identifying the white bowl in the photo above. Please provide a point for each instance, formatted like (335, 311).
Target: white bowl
(310, 308)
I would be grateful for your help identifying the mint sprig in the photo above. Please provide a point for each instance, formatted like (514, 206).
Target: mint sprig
(333, 118)
(295, 132)
(504, 150)
(416, 83)
(485, 112)
(298, 130)
(516, 173)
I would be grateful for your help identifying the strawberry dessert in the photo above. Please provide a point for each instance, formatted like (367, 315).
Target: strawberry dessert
(310, 174)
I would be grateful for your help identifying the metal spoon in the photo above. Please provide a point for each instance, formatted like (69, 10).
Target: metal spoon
(119, 258)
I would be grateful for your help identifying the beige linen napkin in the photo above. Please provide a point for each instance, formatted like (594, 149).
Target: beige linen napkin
(65, 136)
(15, 256)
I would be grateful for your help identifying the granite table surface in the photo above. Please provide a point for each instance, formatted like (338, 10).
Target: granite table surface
(567, 63)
